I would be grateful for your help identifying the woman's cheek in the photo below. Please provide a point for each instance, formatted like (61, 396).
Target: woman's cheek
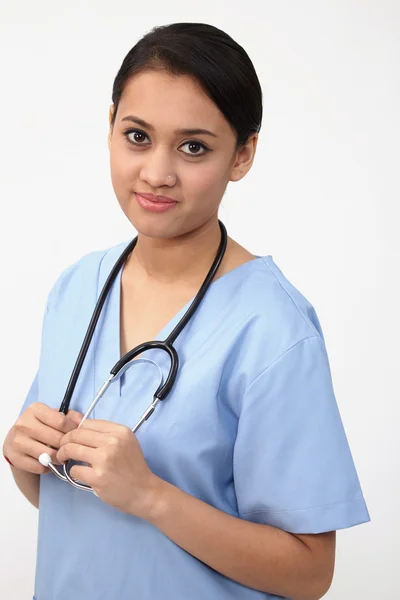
(206, 180)
(123, 176)
(210, 185)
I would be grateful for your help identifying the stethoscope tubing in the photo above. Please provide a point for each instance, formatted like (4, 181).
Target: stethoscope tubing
(125, 362)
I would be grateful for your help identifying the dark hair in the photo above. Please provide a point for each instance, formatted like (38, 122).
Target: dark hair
(212, 57)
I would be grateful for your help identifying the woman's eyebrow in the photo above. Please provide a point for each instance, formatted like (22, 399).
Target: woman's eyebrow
(146, 125)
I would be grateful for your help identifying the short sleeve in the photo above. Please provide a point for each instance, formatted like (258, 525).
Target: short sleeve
(33, 392)
(293, 467)
(32, 395)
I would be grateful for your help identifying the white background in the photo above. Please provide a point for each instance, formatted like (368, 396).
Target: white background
(322, 198)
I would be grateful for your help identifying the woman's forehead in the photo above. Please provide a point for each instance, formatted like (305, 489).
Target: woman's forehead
(174, 100)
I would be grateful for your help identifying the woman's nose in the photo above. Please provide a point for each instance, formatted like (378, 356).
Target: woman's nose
(158, 170)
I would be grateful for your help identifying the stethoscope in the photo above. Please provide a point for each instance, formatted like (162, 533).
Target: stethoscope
(126, 361)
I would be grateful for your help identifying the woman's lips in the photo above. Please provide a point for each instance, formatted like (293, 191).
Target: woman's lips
(155, 205)
(157, 198)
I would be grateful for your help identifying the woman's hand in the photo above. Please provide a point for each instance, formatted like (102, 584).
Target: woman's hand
(117, 469)
(35, 430)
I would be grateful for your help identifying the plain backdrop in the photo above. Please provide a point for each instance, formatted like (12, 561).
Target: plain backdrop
(322, 198)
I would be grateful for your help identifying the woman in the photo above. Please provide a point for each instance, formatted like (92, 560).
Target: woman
(235, 486)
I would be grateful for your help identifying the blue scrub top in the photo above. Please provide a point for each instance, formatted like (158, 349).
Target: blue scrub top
(251, 427)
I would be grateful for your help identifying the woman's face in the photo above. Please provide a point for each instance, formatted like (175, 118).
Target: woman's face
(149, 155)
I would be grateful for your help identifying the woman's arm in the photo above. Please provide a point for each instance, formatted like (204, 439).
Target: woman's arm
(28, 483)
(259, 556)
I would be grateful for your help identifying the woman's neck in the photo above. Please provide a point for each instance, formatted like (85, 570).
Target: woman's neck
(188, 257)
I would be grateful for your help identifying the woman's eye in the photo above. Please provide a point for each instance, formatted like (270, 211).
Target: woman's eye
(135, 137)
(194, 147)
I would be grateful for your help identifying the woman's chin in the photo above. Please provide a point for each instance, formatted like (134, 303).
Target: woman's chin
(155, 226)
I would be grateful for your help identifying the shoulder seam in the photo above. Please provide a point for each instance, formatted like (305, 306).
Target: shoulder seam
(74, 265)
(281, 356)
(286, 292)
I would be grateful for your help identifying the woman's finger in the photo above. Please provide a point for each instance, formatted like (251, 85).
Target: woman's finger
(85, 437)
(53, 418)
(83, 474)
(27, 463)
(34, 449)
(76, 452)
(102, 426)
(43, 434)
(75, 416)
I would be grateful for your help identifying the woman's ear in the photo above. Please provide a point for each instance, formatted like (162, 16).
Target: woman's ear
(110, 115)
(244, 158)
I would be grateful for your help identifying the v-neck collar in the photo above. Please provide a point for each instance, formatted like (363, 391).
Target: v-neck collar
(109, 324)
(166, 330)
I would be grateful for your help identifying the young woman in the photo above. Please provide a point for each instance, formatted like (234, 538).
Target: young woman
(236, 484)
